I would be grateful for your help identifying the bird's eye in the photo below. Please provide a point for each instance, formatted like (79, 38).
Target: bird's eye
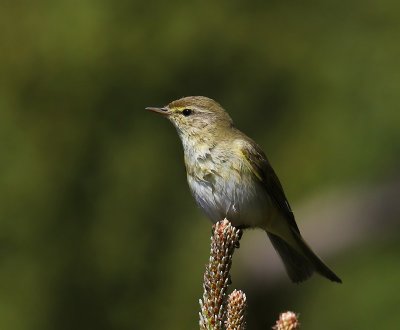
(186, 112)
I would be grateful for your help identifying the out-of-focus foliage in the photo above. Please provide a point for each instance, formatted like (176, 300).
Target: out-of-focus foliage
(97, 230)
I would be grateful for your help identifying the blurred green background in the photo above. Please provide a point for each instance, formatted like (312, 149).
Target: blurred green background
(97, 228)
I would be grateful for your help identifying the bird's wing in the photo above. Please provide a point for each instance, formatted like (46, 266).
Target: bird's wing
(263, 171)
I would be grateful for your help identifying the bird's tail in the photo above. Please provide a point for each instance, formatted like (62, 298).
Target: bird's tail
(300, 263)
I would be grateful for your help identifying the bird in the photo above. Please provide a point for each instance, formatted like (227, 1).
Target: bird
(230, 177)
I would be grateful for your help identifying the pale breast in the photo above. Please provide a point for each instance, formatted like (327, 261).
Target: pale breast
(224, 188)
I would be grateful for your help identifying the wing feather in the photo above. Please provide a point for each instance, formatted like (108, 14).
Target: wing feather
(263, 171)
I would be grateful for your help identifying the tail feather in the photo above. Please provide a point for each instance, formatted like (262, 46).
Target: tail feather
(300, 265)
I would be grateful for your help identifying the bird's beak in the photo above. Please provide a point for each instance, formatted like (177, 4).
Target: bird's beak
(162, 111)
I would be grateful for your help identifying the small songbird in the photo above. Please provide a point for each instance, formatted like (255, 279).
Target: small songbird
(230, 177)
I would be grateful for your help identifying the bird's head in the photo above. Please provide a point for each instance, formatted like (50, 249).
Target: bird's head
(196, 116)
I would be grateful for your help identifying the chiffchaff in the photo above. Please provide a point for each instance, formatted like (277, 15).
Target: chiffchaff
(230, 177)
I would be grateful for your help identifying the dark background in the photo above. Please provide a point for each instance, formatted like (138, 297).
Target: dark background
(97, 228)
